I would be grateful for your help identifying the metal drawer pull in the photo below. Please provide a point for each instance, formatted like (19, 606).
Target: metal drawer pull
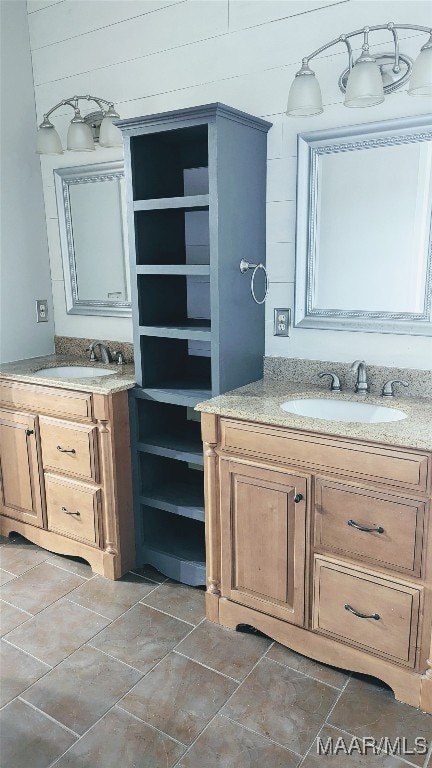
(70, 513)
(364, 528)
(298, 497)
(349, 608)
(66, 450)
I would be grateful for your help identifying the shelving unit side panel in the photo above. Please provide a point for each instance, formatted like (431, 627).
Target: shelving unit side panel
(241, 179)
(128, 160)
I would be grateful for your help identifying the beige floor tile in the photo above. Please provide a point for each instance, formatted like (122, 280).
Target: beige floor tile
(18, 671)
(186, 603)
(11, 617)
(120, 740)
(20, 555)
(29, 738)
(296, 661)
(40, 587)
(72, 564)
(179, 697)
(111, 598)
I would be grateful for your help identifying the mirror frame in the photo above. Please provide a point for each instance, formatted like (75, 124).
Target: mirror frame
(64, 178)
(309, 147)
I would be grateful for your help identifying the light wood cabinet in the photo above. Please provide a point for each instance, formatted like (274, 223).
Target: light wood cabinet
(65, 476)
(345, 574)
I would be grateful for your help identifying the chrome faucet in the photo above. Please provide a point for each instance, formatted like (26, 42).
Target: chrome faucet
(361, 386)
(105, 353)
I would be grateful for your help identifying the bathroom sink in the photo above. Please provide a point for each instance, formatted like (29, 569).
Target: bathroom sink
(342, 410)
(73, 372)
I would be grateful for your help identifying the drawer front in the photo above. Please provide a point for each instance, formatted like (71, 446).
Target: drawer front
(397, 524)
(340, 593)
(388, 466)
(39, 399)
(72, 508)
(70, 448)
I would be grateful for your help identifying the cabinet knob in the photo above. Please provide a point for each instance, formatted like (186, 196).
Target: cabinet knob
(29, 432)
(70, 513)
(298, 497)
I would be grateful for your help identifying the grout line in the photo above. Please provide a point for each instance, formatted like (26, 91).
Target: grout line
(142, 602)
(201, 663)
(31, 615)
(257, 733)
(102, 615)
(221, 707)
(36, 658)
(95, 648)
(44, 7)
(140, 720)
(159, 583)
(14, 575)
(300, 672)
(57, 722)
(323, 723)
(62, 568)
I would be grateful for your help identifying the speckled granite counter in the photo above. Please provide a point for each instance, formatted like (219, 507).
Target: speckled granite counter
(260, 402)
(26, 371)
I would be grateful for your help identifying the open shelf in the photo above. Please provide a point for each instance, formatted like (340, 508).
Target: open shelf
(172, 486)
(173, 269)
(173, 545)
(172, 236)
(169, 365)
(178, 303)
(169, 430)
(175, 163)
(186, 201)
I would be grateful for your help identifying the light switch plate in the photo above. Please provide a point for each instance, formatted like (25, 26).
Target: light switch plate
(282, 322)
(41, 311)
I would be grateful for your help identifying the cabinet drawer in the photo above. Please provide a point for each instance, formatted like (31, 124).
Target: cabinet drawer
(387, 466)
(72, 508)
(397, 542)
(60, 402)
(69, 448)
(392, 634)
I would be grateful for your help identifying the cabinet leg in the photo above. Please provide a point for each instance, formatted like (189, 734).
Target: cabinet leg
(426, 694)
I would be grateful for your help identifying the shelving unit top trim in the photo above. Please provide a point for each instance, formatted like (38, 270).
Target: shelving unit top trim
(205, 112)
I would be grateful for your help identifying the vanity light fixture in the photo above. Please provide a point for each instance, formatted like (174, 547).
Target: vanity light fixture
(83, 131)
(366, 81)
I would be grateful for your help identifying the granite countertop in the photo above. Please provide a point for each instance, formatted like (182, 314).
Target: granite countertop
(26, 371)
(260, 402)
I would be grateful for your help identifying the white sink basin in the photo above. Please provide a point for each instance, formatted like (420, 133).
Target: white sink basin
(342, 410)
(73, 372)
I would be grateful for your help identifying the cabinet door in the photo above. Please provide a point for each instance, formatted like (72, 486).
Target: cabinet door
(20, 490)
(263, 532)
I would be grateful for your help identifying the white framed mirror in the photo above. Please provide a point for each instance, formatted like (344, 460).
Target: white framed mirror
(92, 222)
(363, 240)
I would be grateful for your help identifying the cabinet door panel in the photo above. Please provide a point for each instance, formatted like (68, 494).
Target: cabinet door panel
(20, 494)
(263, 539)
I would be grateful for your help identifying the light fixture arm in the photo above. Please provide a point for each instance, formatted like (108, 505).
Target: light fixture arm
(344, 38)
(72, 101)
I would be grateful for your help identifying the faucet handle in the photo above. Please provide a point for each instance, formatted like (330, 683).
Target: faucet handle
(120, 358)
(92, 353)
(335, 385)
(387, 390)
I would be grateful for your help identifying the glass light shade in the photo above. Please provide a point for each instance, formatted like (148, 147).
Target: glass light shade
(109, 134)
(304, 98)
(365, 86)
(48, 141)
(421, 75)
(80, 137)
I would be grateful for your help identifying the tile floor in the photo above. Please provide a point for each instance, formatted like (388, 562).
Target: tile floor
(101, 674)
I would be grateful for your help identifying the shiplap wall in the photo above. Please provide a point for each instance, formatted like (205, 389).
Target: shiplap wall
(156, 55)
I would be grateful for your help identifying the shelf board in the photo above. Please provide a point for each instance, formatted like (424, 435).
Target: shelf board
(182, 394)
(184, 499)
(197, 330)
(187, 570)
(180, 446)
(157, 204)
(173, 269)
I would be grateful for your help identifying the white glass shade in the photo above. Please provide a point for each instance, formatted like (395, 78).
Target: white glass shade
(48, 142)
(365, 86)
(109, 134)
(304, 98)
(80, 137)
(421, 75)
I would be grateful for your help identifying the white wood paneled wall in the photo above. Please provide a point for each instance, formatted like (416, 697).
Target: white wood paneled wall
(156, 55)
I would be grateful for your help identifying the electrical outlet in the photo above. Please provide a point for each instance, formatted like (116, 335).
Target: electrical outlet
(282, 322)
(41, 311)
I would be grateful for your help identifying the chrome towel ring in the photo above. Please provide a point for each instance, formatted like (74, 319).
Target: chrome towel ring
(244, 266)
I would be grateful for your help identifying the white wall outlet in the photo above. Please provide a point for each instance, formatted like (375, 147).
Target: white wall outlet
(41, 311)
(282, 322)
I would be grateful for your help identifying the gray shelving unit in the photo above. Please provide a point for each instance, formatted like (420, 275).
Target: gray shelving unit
(195, 185)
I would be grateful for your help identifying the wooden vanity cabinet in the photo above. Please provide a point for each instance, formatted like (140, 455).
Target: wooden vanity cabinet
(324, 544)
(65, 477)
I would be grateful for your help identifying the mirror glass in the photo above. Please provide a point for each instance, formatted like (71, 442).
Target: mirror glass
(91, 208)
(363, 256)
